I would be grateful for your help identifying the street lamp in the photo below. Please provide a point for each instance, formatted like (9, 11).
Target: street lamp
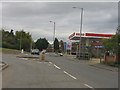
(81, 15)
(19, 43)
(53, 33)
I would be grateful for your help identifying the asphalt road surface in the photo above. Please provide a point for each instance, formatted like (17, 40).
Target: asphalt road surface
(55, 72)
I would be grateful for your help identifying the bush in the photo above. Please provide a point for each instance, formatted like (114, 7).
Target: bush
(111, 63)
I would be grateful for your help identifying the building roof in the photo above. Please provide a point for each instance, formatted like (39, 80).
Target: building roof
(76, 36)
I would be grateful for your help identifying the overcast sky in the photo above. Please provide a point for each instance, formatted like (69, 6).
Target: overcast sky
(34, 17)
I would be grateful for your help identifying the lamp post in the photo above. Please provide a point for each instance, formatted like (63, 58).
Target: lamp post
(31, 42)
(80, 29)
(53, 33)
(20, 43)
(21, 39)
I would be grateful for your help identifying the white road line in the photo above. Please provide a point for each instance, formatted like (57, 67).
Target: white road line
(39, 62)
(24, 58)
(88, 85)
(42, 62)
(69, 75)
(57, 66)
(50, 63)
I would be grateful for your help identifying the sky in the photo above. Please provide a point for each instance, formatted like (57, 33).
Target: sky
(35, 17)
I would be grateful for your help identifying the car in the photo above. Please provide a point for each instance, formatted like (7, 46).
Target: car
(35, 51)
(61, 54)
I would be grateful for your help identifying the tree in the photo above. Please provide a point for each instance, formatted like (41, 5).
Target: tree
(8, 39)
(61, 45)
(11, 32)
(56, 45)
(118, 44)
(41, 44)
(24, 39)
(0, 38)
(112, 44)
(12, 41)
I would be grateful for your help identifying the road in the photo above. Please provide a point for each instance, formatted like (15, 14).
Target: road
(55, 72)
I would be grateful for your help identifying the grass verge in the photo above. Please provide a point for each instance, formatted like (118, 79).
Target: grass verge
(113, 64)
(9, 51)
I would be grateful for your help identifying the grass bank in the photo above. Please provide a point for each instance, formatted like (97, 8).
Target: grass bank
(9, 51)
(0, 49)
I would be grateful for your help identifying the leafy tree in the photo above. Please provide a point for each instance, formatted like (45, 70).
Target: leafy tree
(118, 43)
(108, 44)
(11, 40)
(61, 45)
(112, 44)
(8, 39)
(23, 38)
(11, 33)
(56, 45)
(41, 44)
(118, 37)
(0, 38)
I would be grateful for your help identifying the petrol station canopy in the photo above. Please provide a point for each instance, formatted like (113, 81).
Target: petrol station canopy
(76, 36)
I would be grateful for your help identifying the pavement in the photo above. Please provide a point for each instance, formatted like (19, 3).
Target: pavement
(95, 62)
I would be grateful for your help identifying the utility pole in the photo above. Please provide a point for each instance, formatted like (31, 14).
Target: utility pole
(53, 34)
(20, 39)
(80, 29)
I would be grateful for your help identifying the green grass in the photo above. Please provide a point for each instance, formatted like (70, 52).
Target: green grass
(9, 51)
(0, 49)
(113, 64)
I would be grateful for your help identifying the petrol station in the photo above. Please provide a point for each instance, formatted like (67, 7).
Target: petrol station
(90, 42)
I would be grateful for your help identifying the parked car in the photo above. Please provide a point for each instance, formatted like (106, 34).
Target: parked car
(35, 51)
(61, 54)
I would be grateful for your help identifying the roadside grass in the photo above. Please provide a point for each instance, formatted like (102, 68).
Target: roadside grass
(9, 51)
(0, 49)
(112, 64)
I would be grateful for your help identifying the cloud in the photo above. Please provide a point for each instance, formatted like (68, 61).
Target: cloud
(98, 17)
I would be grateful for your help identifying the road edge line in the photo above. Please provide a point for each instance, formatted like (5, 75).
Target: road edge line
(70, 75)
(57, 67)
(88, 86)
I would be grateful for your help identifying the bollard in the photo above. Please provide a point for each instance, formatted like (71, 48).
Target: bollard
(42, 56)
(22, 51)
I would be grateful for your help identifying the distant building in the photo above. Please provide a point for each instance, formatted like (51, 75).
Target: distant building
(50, 48)
(90, 42)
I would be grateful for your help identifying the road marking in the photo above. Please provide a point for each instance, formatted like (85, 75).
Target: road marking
(57, 66)
(24, 58)
(39, 62)
(88, 86)
(69, 75)
(34, 59)
(50, 63)
(42, 62)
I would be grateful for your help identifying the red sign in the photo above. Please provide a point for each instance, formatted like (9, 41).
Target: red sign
(79, 34)
(72, 35)
(99, 35)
